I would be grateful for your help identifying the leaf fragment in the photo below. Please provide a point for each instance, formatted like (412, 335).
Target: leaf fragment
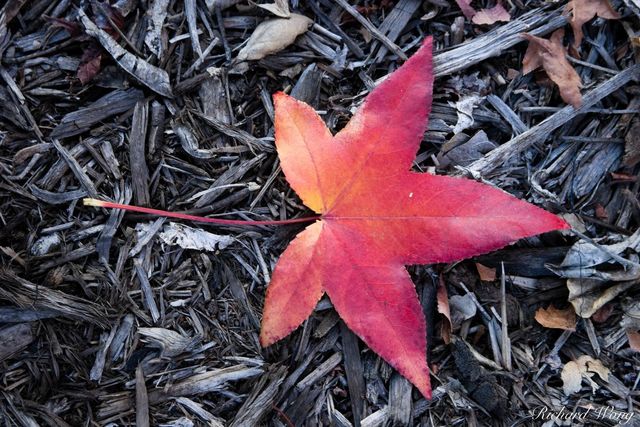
(584, 367)
(584, 11)
(556, 318)
(279, 8)
(551, 56)
(489, 16)
(193, 238)
(492, 15)
(273, 35)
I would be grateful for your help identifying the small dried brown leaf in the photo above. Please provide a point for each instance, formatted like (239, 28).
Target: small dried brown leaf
(551, 56)
(584, 11)
(555, 318)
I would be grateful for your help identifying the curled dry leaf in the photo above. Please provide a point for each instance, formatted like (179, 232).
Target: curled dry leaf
(556, 318)
(464, 109)
(592, 282)
(585, 10)
(273, 35)
(280, 8)
(551, 56)
(492, 15)
(585, 367)
(443, 308)
(588, 295)
(193, 238)
(489, 16)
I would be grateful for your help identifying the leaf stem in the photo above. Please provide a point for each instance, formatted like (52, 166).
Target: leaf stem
(158, 212)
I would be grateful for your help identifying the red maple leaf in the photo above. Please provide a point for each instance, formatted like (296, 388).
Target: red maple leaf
(378, 216)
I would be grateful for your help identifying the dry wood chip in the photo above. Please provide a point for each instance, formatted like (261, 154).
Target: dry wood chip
(272, 36)
(14, 338)
(588, 295)
(151, 76)
(157, 14)
(207, 382)
(142, 399)
(80, 121)
(169, 342)
(25, 294)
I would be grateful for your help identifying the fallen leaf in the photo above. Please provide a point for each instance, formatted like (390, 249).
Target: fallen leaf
(555, 318)
(273, 35)
(492, 15)
(584, 254)
(443, 308)
(467, 10)
(89, 64)
(377, 216)
(464, 109)
(193, 238)
(484, 16)
(487, 274)
(584, 367)
(634, 339)
(588, 295)
(571, 378)
(551, 56)
(584, 11)
(603, 313)
(279, 8)
(595, 275)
